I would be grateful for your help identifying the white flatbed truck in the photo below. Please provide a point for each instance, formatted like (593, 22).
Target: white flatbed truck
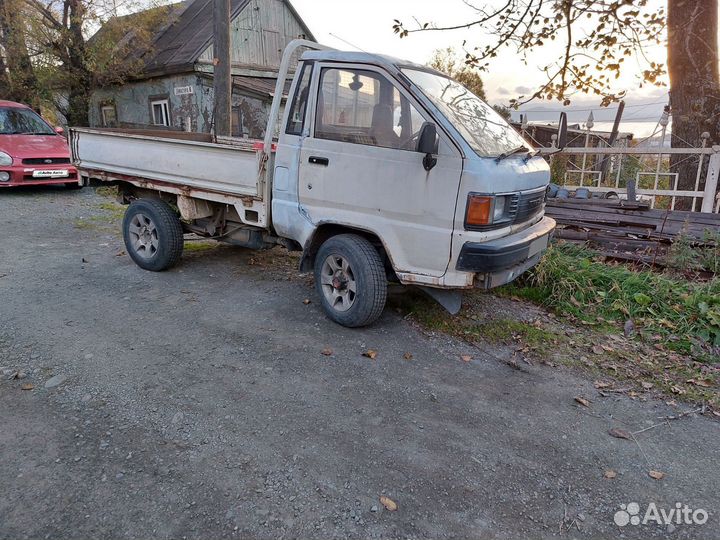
(382, 170)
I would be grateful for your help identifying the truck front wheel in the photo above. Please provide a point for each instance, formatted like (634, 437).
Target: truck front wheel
(153, 234)
(350, 280)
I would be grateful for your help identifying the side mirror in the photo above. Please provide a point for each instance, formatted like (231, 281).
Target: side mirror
(59, 130)
(562, 131)
(428, 144)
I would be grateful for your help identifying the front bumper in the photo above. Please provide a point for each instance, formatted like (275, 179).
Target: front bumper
(22, 175)
(502, 260)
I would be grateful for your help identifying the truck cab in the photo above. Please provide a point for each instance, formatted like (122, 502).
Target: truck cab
(466, 211)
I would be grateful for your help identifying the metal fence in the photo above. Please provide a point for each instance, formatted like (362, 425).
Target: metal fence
(609, 170)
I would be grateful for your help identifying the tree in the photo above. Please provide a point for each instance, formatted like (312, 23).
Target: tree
(19, 82)
(598, 38)
(694, 81)
(48, 54)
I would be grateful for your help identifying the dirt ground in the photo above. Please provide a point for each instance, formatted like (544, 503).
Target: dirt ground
(198, 403)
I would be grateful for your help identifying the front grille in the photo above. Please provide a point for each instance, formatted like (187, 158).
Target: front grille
(46, 161)
(529, 205)
(522, 207)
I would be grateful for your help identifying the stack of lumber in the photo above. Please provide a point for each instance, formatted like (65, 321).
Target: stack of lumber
(627, 230)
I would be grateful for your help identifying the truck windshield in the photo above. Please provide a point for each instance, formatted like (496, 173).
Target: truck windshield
(20, 121)
(482, 127)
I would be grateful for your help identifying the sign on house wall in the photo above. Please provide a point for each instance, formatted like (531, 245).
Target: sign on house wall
(183, 90)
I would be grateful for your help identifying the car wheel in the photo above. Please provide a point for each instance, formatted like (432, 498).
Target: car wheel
(153, 234)
(350, 280)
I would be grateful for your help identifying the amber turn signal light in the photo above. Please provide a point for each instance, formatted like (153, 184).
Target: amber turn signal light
(479, 210)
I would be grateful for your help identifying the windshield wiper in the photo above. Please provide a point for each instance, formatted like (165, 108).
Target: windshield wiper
(518, 150)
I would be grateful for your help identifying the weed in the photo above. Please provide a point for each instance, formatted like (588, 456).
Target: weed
(200, 245)
(572, 280)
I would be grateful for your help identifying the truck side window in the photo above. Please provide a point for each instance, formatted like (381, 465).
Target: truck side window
(296, 120)
(364, 107)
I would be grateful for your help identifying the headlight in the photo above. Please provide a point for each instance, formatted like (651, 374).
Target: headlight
(499, 210)
(485, 210)
(5, 159)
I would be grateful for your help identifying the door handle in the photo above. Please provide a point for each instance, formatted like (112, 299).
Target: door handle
(317, 160)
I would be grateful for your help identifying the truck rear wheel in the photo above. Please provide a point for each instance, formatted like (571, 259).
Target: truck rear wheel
(350, 280)
(153, 234)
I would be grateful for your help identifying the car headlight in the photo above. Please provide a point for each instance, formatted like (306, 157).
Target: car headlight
(5, 159)
(499, 210)
(486, 210)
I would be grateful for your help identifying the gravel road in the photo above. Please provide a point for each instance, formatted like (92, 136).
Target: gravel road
(198, 403)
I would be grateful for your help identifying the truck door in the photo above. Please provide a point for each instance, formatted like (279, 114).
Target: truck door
(358, 167)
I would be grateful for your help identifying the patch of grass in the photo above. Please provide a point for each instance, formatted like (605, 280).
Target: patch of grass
(200, 245)
(107, 191)
(116, 211)
(684, 316)
(467, 325)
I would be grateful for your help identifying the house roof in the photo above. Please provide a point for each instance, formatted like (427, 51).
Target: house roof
(184, 35)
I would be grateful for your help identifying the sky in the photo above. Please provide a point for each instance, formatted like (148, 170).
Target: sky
(367, 26)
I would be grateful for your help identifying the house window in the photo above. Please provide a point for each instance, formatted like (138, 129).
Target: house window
(109, 115)
(160, 112)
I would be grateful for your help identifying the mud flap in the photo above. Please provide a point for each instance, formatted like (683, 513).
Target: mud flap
(450, 299)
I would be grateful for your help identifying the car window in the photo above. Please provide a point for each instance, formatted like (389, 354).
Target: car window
(296, 120)
(20, 121)
(364, 107)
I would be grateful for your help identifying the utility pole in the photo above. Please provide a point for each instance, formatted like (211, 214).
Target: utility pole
(222, 74)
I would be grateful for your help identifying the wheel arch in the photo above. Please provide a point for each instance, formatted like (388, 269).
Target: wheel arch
(327, 230)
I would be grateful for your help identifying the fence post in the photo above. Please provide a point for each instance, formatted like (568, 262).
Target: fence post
(711, 181)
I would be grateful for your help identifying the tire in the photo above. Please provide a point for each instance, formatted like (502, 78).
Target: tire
(153, 234)
(347, 262)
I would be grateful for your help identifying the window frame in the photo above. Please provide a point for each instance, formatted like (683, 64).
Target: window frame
(105, 107)
(316, 88)
(164, 102)
(308, 64)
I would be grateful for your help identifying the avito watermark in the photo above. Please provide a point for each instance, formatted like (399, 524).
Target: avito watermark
(681, 514)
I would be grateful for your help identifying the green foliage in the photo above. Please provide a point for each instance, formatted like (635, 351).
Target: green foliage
(573, 281)
(687, 254)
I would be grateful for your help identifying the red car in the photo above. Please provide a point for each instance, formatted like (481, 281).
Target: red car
(31, 151)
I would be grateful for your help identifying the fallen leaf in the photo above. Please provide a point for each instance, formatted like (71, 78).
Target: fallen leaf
(388, 503)
(607, 348)
(620, 433)
(700, 382)
(306, 301)
(602, 384)
(407, 356)
(677, 390)
(327, 351)
(370, 353)
(657, 475)
(597, 349)
(610, 474)
(27, 386)
(465, 357)
(120, 253)
(574, 301)
(647, 385)
(582, 401)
